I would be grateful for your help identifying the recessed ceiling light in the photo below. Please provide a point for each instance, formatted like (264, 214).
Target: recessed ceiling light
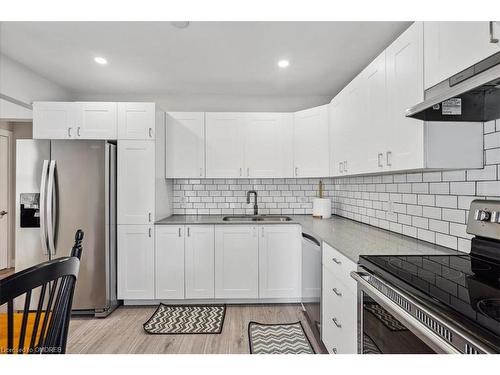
(180, 24)
(100, 60)
(283, 63)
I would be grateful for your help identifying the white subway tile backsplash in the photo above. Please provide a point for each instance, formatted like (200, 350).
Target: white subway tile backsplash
(489, 188)
(463, 188)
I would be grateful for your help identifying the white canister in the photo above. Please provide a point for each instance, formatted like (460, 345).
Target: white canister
(322, 207)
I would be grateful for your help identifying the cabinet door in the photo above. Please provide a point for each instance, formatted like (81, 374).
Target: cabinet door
(405, 76)
(450, 47)
(54, 120)
(236, 261)
(310, 142)
(135, 262)
(372, 128)
(200, 261)
(268, 145)
(224, 145)
(96, 120)
(280, 261)
(169, 262)
(185, 141)
(136, 121)
(136, 182)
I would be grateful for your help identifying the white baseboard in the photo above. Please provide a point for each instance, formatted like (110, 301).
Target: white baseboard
(212, 301)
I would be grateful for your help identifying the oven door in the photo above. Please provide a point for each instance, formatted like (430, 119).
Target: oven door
(385, 327)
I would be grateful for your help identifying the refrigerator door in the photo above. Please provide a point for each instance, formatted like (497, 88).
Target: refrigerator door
(30, 157)
(80, 202)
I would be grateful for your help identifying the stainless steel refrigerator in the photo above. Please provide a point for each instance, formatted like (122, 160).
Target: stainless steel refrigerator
(62, 186)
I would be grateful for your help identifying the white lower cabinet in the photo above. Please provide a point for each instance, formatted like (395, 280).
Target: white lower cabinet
(339, 303)
(280, 261)
(135, 262)
(236, 261)
(199, 261)
(169, 262)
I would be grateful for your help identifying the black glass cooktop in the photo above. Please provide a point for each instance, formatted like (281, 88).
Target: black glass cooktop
(465, 286)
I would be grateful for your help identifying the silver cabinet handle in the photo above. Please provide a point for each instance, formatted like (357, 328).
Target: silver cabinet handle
(334, 350)
(150, 131)
(336, 291)
(336, 322)
(336, 261)
(189, 232)
(341, 167)
(201, 172)
(179, 231)
(345, 166)
(492, 33)
(149, 232)
(262, 230)
(296, 171)
(149, 217)
(78, 131)
(248, 171)
(69, 132)
(241, 172)
(388, 158)
(379, 159)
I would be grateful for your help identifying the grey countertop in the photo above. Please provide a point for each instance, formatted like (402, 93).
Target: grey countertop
(349, 237)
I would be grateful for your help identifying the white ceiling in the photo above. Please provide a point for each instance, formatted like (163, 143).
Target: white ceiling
(207, 58)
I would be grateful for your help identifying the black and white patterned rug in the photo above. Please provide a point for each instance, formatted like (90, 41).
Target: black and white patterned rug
(369, 346)
(278, 339)
(186, 319)
(387, 319)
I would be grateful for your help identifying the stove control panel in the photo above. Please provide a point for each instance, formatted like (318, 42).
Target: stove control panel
(484, 219)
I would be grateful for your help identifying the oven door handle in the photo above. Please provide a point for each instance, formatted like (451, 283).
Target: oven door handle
(424, 333)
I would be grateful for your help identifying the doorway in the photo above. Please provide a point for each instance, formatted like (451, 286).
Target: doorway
(5, 183)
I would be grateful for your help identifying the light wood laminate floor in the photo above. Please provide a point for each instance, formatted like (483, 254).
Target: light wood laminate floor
(122, 332)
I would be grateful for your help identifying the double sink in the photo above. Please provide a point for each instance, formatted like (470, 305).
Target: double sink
(256, 218)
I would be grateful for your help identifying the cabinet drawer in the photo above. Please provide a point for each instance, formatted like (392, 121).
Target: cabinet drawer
(339, 315)
(338, 263)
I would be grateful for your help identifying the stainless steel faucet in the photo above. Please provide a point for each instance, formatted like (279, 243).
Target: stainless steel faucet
(255, 207)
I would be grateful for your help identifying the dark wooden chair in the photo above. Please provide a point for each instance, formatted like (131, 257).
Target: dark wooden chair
(51, 286)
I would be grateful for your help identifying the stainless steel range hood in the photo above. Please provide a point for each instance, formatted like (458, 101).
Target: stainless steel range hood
(471, 95)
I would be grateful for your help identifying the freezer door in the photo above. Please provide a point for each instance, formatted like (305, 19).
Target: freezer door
(81, 203)
(30, 156)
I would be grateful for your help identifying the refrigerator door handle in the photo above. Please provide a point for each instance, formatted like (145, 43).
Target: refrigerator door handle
(51, 207)
(43, 206)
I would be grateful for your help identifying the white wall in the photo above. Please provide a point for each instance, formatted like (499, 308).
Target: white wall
(21, 83)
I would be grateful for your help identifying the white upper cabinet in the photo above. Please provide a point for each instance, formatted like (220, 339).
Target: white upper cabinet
(371, 124)
(200, 258)
(185, 140)
(224, 144)
(54, 120)
(236, 261)
(136, 121)
(136, 182)
(96, 120)
(451, 47)
(280, 259)
(169, 262)
(310, 142)
(405, 88)
(369, 132)
(268, 145)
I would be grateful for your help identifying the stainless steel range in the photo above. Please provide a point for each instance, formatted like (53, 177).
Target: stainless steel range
(434, 303)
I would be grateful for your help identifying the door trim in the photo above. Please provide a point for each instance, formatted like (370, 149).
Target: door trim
(10, 196)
